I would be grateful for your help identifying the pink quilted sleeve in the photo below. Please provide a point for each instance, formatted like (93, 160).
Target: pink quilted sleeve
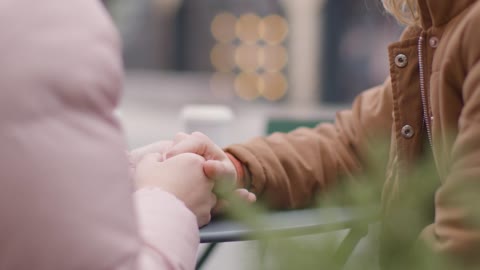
(168, 229)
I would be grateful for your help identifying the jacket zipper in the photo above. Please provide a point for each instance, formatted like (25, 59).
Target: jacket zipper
(426, 115)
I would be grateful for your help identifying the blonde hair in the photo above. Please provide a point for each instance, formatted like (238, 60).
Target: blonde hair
(405, 11)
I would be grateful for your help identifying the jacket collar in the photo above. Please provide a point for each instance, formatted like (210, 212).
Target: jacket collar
(438, 12)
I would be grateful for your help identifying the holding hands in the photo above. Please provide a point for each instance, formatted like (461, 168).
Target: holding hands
(181, 176)
(188, 167)
(217, 167)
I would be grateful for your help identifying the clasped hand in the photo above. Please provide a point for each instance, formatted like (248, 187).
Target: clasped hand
(188, 167)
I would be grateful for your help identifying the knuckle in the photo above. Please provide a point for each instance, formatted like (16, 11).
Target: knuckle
(200, 136)
(180, 135)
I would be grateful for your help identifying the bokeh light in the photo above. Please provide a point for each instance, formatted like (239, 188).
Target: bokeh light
(247, 57)
(247, 28)
(247, 86)
(273, 86)
(223, 27)
(222, 57)
(273, 29)
(273, 58)
(252, 46)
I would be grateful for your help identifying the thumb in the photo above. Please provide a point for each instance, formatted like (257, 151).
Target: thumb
(180, 137)
(219, 170)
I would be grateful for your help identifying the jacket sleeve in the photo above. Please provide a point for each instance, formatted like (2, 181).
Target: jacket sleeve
(168, 230)
(456, 230)
(65, 193)
(287, 170)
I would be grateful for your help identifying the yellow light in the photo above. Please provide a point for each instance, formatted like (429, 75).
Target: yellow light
(247, 85)
(273, 86)
(222, 57)
(273, 29)
(273, 58)
(247, 57)
(247, 28)
(221, 84)
(223, 27)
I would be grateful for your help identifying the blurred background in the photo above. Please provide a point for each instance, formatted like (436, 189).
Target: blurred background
(276, 64)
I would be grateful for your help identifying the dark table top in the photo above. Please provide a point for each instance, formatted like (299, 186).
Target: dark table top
(289, 223)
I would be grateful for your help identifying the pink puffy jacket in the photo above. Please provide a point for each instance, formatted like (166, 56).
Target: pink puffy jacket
(65, 195)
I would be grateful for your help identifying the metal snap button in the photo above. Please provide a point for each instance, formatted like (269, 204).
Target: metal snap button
(407, 132)
(434, 42)
(401, 60)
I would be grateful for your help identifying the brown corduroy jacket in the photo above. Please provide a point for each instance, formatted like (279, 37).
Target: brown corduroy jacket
(432, 96)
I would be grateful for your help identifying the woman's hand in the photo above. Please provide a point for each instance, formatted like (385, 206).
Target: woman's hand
(181, 176)
(160, 147)
(218, 166)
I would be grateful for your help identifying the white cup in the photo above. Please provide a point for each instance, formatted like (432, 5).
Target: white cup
(215, 121)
